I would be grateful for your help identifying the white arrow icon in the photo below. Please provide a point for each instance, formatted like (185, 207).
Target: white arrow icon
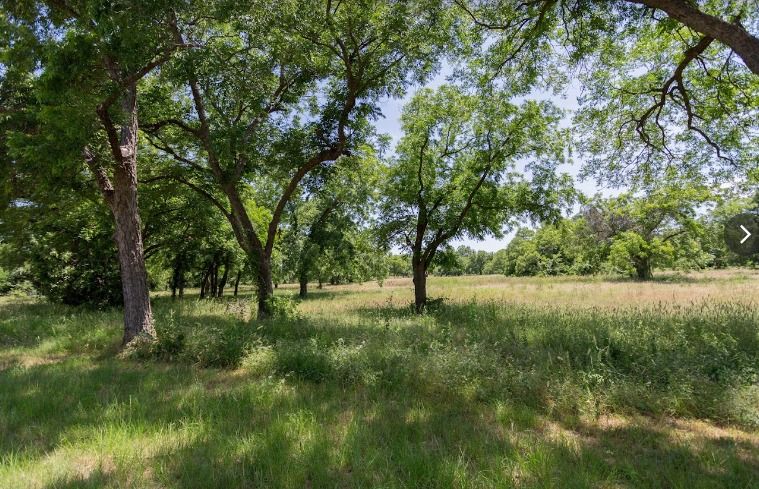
(748, 234)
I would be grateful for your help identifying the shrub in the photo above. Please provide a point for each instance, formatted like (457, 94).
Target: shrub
(283, 307)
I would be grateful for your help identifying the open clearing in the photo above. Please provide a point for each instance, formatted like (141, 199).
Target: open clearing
(535, 382)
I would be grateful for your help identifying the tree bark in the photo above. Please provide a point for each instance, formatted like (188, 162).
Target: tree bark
(237, 283)
(121, 197)
(420, 283)
(265, 287)
(732, 35)
(643, 269)
(303, 279)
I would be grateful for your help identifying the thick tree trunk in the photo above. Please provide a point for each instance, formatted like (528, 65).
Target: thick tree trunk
(643, 269)
(121, 197)
(265, 287)
(237, 283)
(138, 316)
(420, 285)
(303, 281)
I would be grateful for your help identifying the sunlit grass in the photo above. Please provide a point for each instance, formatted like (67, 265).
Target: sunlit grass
(540, 382)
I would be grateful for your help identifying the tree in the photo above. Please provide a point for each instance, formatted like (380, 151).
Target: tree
(642, 229)
(678, 88)
(566, 247)
(292, 91)
(86, 64)
(454, 176)
(331, 216)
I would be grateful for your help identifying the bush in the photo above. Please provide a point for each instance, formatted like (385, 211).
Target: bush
(283, 308)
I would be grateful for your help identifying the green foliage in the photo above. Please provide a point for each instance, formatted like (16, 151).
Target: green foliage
(283, 308)
(66, 250)
(455, 174)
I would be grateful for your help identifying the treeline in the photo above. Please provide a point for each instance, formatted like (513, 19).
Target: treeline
(588, 244)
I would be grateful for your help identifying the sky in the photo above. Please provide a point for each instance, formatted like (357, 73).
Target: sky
(391, 124)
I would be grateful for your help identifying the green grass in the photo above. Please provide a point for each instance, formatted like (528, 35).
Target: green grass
(510, 383)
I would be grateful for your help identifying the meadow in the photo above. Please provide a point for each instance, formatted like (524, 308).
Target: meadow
(504, 383)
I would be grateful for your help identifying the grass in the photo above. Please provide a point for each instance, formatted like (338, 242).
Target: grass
(540, 382)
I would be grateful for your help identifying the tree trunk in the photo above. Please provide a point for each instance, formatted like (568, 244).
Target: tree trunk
(237, 283)
(224, 278)
(420, 284)
(121, 197)
(138, 316)
(303, 280)
(214, 276)
(643, 269)
(265, 287)
(203, 284)
(175, 277)
(180, 276)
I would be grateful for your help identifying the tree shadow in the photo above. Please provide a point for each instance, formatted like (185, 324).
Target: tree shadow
(411, 425)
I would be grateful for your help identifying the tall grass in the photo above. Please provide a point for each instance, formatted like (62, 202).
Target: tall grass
(357, 391)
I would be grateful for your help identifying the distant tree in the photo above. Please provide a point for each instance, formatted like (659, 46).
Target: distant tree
(643, 230)
(330, 217)
(567, 247)
(397, 265)
(454, 176)
(729, 203)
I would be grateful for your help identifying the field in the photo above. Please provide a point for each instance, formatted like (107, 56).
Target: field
(535, 382)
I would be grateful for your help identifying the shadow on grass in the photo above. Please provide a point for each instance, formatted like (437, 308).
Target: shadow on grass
(214, 429)
(459, 397)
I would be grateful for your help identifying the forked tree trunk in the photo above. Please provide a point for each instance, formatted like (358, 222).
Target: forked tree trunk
(420, 284)
(121, 197)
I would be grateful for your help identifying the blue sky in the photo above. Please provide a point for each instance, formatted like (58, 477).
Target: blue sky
(390, 124)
